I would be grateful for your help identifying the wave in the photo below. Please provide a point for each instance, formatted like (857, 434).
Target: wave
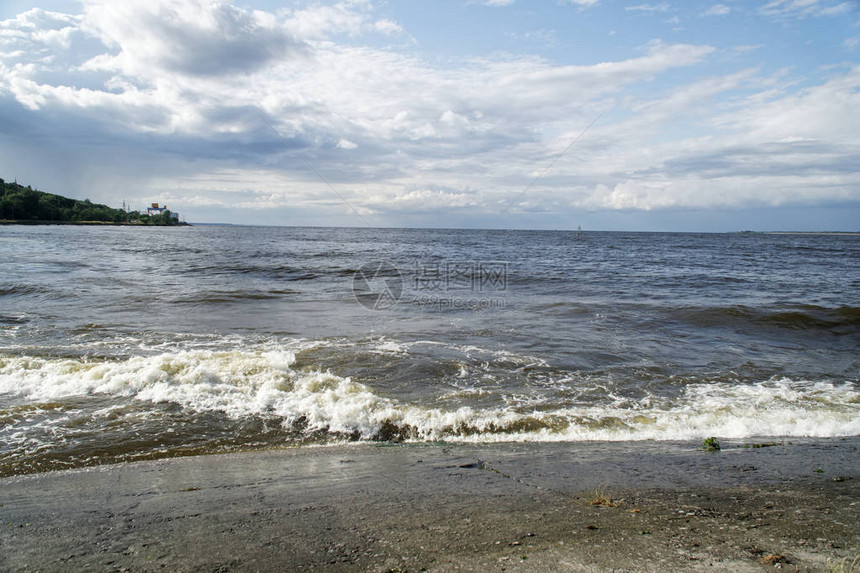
(838, 321)
(6, 319)
(242, 384)
(271, 271)
(20, 290)
(219, 297)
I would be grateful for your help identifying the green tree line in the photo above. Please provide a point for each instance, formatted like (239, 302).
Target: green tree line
(25, 204)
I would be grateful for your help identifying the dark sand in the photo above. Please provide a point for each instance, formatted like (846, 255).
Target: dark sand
(513, 507)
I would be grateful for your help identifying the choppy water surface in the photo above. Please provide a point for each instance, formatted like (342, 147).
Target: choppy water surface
(130, 343)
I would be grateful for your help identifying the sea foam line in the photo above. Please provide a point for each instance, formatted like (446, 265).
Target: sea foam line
(249, 383)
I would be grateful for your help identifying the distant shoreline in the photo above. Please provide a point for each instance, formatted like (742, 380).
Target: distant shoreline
(184, 224)
(89, 223)
(848, 233)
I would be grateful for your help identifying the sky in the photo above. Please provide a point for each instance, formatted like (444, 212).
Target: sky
(675, 115)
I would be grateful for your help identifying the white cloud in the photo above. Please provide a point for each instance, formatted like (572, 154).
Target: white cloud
(804, 8)
(39, 37)
(319, 21)
(827, 112)
(718, 10)
(693, 192)
(780, 150)
(346, 144)
(838, 9)
(747, 48)
(661, 7)
(546, 37)
(423, 201)
(194, 37)
(388, 27)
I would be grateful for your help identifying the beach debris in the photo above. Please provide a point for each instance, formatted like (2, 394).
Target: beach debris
(846, 565)
(482, 465)
(773, 559)
(711, 444)
(601, 498)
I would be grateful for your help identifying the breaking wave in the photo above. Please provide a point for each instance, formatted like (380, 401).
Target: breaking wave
(242, 384)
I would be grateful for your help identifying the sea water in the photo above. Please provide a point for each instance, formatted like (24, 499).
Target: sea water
(123, 343)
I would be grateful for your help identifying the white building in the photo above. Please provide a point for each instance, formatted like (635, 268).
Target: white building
(156, 209)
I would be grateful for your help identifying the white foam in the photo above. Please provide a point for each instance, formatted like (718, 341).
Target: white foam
(263, 382)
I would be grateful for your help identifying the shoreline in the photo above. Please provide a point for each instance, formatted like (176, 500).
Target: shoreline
(667, 506)
(87, 223)
(823, 233)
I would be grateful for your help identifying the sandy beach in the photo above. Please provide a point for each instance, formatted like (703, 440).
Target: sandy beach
(440, 507)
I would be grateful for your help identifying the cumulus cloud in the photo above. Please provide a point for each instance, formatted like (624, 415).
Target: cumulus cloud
(194, 37)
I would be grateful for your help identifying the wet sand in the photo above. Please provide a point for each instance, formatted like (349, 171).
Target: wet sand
(504, 507)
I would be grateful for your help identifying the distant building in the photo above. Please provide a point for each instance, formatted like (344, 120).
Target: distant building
(156, 209)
